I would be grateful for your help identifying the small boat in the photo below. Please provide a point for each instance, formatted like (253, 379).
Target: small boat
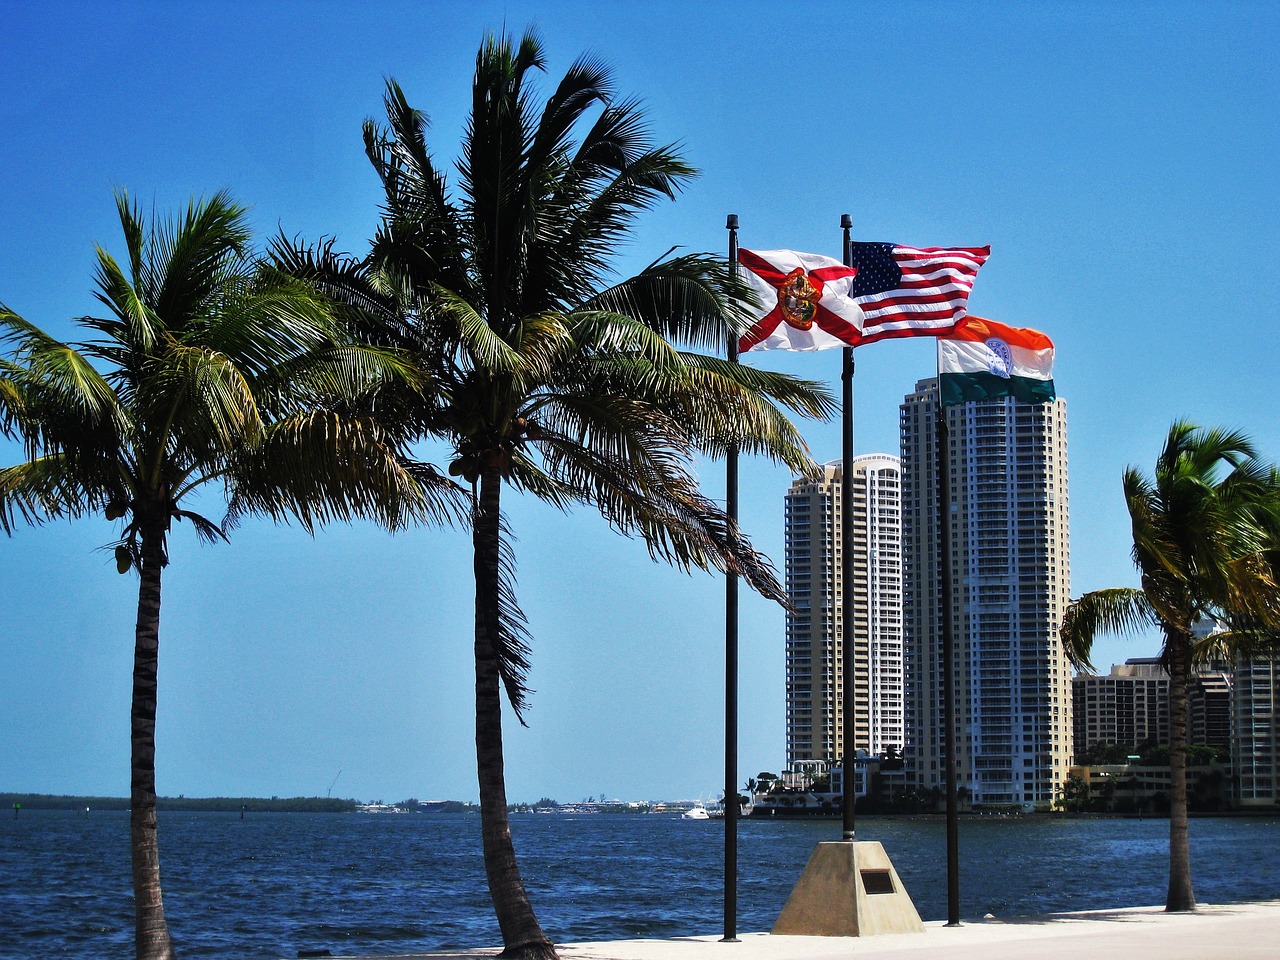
(697, 812)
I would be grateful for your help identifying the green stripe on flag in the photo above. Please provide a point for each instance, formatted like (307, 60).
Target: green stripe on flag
(968, 387)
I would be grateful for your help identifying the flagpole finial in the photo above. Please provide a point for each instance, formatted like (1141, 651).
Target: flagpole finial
(731, 222)
(846, 221)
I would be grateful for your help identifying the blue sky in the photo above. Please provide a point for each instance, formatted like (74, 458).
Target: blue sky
(1120, 158)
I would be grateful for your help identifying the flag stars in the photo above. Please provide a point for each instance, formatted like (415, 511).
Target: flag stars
(877, 270)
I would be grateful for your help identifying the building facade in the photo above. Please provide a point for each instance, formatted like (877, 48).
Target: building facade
(1209, 709)
(1128, 706)
(815, 638)
(1011, 581)
(1256, 722)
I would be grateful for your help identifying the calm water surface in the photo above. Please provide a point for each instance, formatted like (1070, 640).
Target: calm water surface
(273, 884)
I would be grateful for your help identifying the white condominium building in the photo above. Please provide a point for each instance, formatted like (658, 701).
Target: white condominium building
(815, 646)
(1010, 563)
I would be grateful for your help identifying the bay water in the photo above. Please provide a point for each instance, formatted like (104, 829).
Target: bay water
(271, 885)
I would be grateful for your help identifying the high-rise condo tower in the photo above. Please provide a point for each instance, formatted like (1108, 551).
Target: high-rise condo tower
(1011, 581)
(815, 644)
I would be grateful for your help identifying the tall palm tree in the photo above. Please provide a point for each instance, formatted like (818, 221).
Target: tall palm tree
(208, 368)
(1203, 526)
(555, 377)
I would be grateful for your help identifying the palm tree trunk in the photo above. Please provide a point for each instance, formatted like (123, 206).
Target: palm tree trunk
(1181, 896)
(151, 937)
(522, 936)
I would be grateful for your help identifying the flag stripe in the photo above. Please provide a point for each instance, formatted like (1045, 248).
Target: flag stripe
(980, 329)
(908, 303)
(965, 356)
(931, 282)
(971, 387)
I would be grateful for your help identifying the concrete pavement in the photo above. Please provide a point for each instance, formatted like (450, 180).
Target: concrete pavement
(1244, 931)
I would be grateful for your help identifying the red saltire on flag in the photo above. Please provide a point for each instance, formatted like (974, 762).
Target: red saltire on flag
(912, 291)
(804, 301)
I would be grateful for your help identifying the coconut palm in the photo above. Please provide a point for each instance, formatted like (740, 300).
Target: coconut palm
(1202, 528)
(556, 377)
(208, 369)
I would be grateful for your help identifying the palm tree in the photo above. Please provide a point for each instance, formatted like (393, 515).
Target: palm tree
(554, 378)
(208, 368)
(1202, 528)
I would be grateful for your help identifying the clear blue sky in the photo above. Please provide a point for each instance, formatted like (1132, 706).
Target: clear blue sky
(1121, 160)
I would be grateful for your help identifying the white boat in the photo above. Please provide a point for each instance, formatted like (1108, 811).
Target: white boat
(697, 812)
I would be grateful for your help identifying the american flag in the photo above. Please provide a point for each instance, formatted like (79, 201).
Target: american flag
(912, 291)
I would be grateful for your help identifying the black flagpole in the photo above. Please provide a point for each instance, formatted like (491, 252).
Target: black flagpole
(942, 435)
(731, 662)
(848, 781)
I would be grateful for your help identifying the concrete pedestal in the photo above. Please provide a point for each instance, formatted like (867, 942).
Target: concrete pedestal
(848, 889)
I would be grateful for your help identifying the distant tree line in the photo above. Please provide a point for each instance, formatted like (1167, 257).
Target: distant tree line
(1148, 754)
(44, 801)
(598, 806)
(1206, 793)
(437, 806)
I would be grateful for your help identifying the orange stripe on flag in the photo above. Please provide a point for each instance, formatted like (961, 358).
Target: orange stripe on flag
(981, 330)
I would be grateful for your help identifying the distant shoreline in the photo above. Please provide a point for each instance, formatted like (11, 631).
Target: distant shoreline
(45, 801)
(78, 804)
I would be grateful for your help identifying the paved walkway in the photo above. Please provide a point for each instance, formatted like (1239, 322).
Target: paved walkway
(1245, 931)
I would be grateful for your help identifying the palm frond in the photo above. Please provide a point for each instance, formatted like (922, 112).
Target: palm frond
(198, 257)
(720, 406)
(811, 399)
(1248, 640)
(135, 327)
(44, 489)
(604, 333)
(206, 530)
(355, 376)
(512, 647)
(643, 487)
(686, 300)
(200, 400)
(12, 404)
(585, 84)
(50, 372)
(1120, 610)
(319, 467)
(265, 320)
(484, 347)
(544, 342)
(421, 224)
(496, 184)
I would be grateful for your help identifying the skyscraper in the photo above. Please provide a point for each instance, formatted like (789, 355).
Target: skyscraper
(815, 647)
(1010, 567)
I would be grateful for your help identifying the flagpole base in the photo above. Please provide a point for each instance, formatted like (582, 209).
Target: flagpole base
(848, 889)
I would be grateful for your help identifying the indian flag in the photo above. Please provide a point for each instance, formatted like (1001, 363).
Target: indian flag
(980, 359)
